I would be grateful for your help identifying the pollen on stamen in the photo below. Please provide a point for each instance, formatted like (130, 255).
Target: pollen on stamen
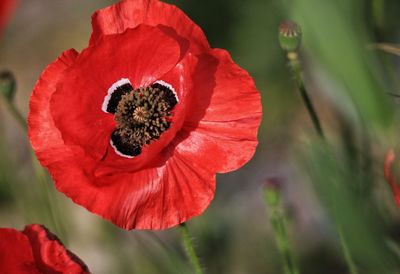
(140, 115)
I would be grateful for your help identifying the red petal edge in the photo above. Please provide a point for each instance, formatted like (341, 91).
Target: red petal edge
(131, 13)
(389, 176)
(45, 138)
(50, 254)
(220, 134)
(16, 255)
(152, 198)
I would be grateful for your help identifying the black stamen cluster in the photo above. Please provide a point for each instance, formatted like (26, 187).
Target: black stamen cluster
(141, 116)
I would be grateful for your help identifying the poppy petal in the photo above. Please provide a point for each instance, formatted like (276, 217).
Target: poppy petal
(153, 198)
(131, 13)
(147, 54)
(389, 175)
(224, 124)
(50, 254)
(45, 138)
(16, 255)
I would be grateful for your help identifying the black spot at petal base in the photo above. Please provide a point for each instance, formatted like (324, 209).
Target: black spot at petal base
(116, 97)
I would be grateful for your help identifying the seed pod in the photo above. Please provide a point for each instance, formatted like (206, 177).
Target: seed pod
(289, 36)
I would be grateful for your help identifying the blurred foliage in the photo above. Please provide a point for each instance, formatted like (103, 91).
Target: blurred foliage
(336, 35)
(343, 189)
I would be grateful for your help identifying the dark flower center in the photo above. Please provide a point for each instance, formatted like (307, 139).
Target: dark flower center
(141, 116)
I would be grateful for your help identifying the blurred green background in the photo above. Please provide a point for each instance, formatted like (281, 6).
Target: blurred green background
(325, 185)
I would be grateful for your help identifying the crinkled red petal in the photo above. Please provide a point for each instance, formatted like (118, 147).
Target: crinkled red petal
(142, 55)
(16, 255)
(152, 198)
(220, 133)
(50, 255)
(45, 138)
(131, 13)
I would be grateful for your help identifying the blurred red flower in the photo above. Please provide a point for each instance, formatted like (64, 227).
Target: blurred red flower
(6, 8)
(389, 176)
(135, 127)
(36, 250)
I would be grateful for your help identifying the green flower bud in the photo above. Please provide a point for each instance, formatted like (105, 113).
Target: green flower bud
(289, 36)
(272, 191)
(7, 85)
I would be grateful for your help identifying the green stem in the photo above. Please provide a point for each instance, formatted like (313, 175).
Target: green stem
(378, 10)
(41, 176)
(50, 200)
(17, 115)
(347, 254)
(278, 221)
(393, 246)
(190, 251)
(295, 65)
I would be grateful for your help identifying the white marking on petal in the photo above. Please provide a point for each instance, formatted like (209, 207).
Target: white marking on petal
(165, 84)
(120, 153)
(111, 90)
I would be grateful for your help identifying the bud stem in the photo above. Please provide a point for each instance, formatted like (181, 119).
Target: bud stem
(378, 9)
(189, 248)
(295, 66)
(346, 253)
(40, 173)
(50, 199)
(17, 115)
(278, 221)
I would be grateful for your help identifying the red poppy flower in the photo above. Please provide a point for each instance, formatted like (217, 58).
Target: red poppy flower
(389, 176)
(6, 8)
(36, 250)
(135, 127)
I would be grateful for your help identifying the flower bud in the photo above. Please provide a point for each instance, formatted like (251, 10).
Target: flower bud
(272, 191)
(289, 36)
(7, 85)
